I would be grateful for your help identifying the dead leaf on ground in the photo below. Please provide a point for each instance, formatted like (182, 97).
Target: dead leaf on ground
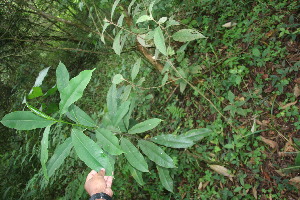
(297, 80)
(221, 170)
(296, 91)
(271, 143)
(288, 147)
(229, 24)
(288, 105)
(263, 122)
(295, 180)
(254, 191)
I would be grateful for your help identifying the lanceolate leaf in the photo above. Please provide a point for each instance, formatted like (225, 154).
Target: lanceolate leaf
(143, 18)
(111, 100)
(74, 90)
(186, 35)
(159, 41)
(118, 78)
(114, 8)
(156, 154)
(137, 175)
(136, 68)
(62, 77)
(165, 178)
(122, 111)
(134, 157)
(109, 141)
(89, 152)
(39, 113)
(173, 141)
(80, 117)
(25, 120)
(60, 153)
(144, 126)
(44, 150)
(197, 134)
(117, 47)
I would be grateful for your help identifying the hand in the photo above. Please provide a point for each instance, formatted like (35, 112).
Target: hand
(98, 182)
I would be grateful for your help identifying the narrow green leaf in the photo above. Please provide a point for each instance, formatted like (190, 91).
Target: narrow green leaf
(60, 153)
(165, 78)
(62, 77)
(156, 154)
(120, 20)
(134, 157)
(25, 120)
(36, 92)
(126, 93)
(130, 5)
(111, 100)
(118, 78)
(39, 113)
(173, 141)
(74, 90)
(182, 86)
(136, 68)
(114, 8)
(162, 20)
(106, 24)
(197, 134)
(231, 96)
(122, 111)
(143, 18)
(144, 126)
(80, 117)
(297, 159)
(165, 178)
(151, 7)
(159, 41)
(186, 35)
(109, 141)
(44, 151)
(137, 175)
(89, 152)
(117, 47)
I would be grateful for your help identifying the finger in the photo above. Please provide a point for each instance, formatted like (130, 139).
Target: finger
(101, 172)
(105, 178)
(90, 175)
(109, 181)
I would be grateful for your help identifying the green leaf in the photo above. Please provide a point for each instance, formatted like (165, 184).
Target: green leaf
(231, 96)
(60, 154)
(122, 111)
(165, 178)
(143, 18)
(186, 35)
(136, 68)
(162, 20)
(297, 159)
(111, 100)
(134, 157)
(90, 152)
(44, 150)
(126, 93)
(118, 78)
(151, 7)
(165, 78)
(117, 47)
(114, 8)
(197, 134)
(109, 141)
(74, 90)
(137, 175)
(62, 77)
(156, 154)
(36, 92)
(182, 86)
(106, 24)
(25, 120)
(256, 52)
(39, 113)
(173, 141)
(80, 117)
(144, 126)
(159, 41)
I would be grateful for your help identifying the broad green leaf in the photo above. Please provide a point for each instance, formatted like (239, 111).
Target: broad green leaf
(162, 20)
(114, 8)
(25, 120)
(182, 86)
(144, 126)
(109, 141)
(122, 111)
(126, 93)
(51, 91)
(39, 113)
(90, 152)
(159, 41)
(231, 96)
(137, 175)
(44, 151)
(165, 78)
(117, 47)
(111, 100)
(62, 77)
(173, 141)
(118, 78)
(156, 154)
(186, 35)
(143, 18)
(60, 153)
(172, 22)
(256, 52)
(136, 68)
(80, 117)
(74, 90)
(36, 92)
(165, 178)
(197, 134)
(134, 157)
